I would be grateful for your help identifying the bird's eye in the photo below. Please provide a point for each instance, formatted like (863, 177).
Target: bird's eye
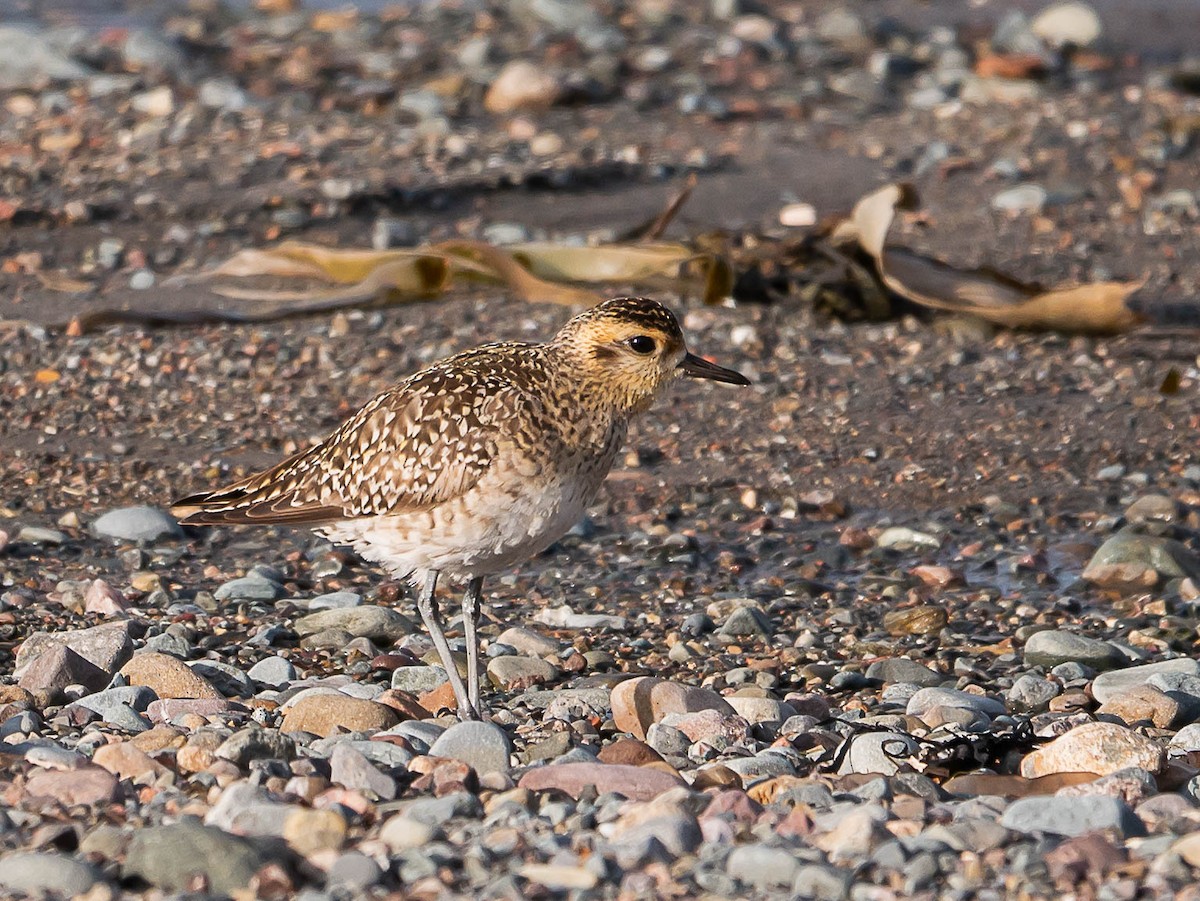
(642, 344)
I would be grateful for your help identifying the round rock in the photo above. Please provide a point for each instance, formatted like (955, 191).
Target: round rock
(484, 747)
(137, 524)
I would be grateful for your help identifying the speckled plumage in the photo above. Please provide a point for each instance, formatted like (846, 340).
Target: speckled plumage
(477, 462)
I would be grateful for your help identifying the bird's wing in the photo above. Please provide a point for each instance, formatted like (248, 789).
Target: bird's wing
(423, 443)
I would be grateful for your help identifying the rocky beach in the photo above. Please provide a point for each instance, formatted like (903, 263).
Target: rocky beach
(914, 616)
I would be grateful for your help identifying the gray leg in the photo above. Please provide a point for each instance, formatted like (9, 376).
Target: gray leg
(429, 613)
(470, 621)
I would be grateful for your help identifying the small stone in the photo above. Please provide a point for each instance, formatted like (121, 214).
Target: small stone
(125, 761)
(1071, 23)
(637, 703)
(313, 831)
(798, 215)
(927, 699)
(137, 524)
(1028, 198)
(256, 743)
(924, 619)
(89, 786)
(1107, 686)
(353, 872)
(1152, 508)
(39, 535)
(901, 669)
(39, 874)
(171, 856)
(761, 710)
(167, 677)
(273, 671)
(1070, 816)
(418, 680)
(1052, 647)
(335, 600)
(637, 783)
(559, 877)
(249, 588)
(529, 642)
(107, 646)
(367, 621)
(878, 752)
(59, 667)
(747, 622)
(521, 85)
(1143, 703)
(351, 769)
(401, 833)
(520, 672)
(762, 867)
(484, 747)
(904, 538)
(321, 714)
(1130, 548)
(1032, 694)
(1099, 748)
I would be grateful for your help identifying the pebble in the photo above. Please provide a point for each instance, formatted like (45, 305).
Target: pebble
(747, 622)
(353, 872)
(58, 667)
(167, 676)
(335, 600)
(902, 669)
(1053, 647)
(928, 699)
(528, 642)
(1071, 816)
(321, 714)
(1132, 550)
(40, 535)
(798, 215)
(1142, 703)
(137, 524)
(521, 85)
(1108, 685)
(272, 671)
(762, 867)
(89, 786)
(419, 679)
(253, 587)
(366, 621)
(1067, 23)
(1032, 694)
(1027, 198)
(878, 752)
(634, 782)
(351, 769)
(42, 873)
(484, 747)
(637, 703)
(1099, 748)
(170, 856)
(520, 672)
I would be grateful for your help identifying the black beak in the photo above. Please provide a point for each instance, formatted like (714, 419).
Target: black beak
(699, 368)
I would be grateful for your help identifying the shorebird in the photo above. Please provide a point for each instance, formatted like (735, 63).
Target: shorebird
(476, 463)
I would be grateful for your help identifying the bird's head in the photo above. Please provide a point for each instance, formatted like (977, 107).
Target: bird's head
(632, 347)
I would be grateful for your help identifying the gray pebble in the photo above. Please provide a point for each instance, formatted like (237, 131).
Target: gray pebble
(137, 524)
(1052, 647)
(485, 747)
(1107, 685)
(1071, 815)
(249, 588)
(273, 671)
(418, 679)
(37, 873)
(901, 669)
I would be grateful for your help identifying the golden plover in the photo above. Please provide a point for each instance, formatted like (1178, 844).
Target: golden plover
(475, 463)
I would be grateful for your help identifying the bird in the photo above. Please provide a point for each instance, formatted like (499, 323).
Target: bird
(476, 463)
